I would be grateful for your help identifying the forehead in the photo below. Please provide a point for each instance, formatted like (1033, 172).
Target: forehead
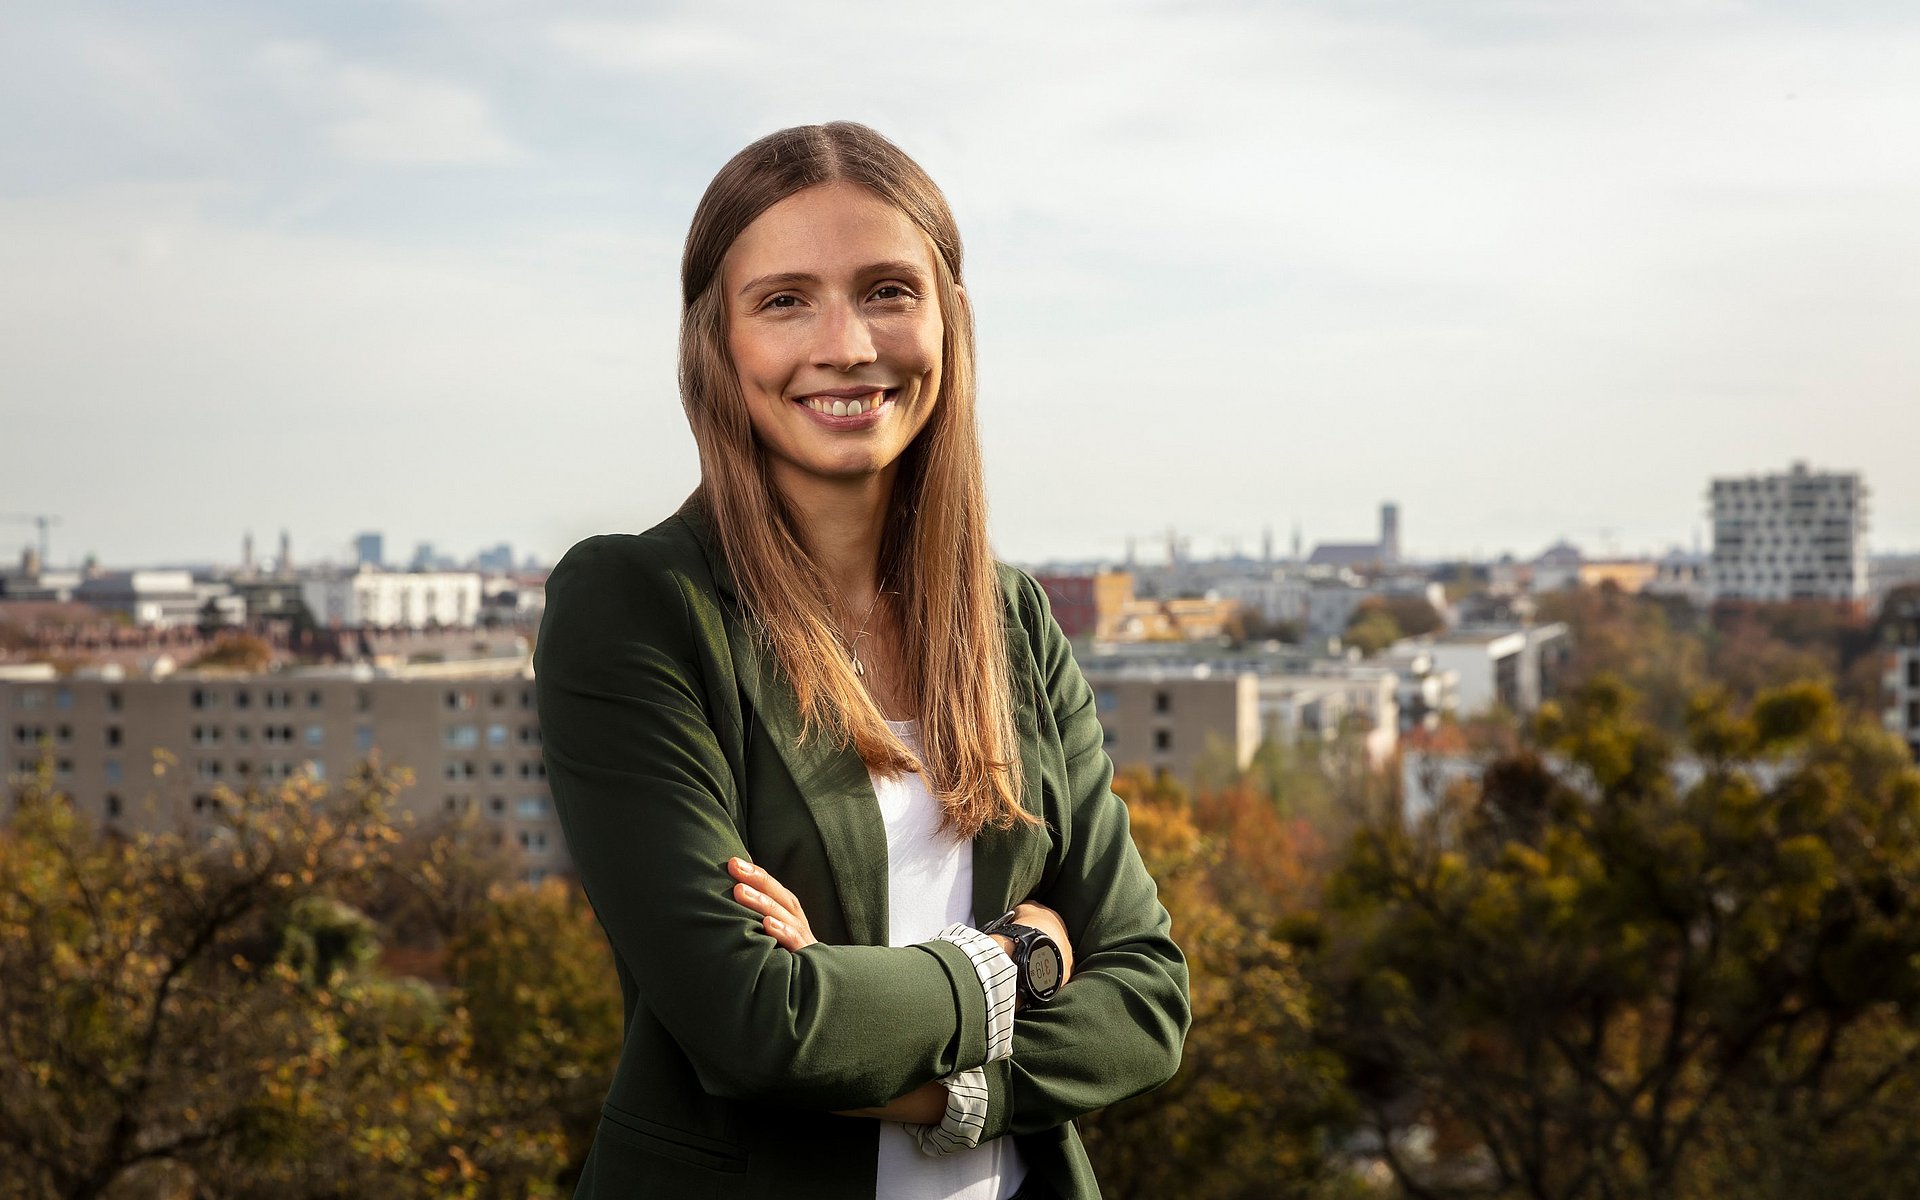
(829, 230)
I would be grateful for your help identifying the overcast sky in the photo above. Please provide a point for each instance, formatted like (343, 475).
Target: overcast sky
(1533, 268)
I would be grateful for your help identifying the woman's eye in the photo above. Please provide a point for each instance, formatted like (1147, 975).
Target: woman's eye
(890, 291)
(783, 300)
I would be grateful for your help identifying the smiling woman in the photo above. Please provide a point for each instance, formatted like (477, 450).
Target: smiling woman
(827, 770)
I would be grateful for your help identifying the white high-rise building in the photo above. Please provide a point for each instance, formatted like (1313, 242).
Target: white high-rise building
(1795, 535)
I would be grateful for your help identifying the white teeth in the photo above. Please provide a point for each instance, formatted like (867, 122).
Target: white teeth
(839, 408)
(855, 408)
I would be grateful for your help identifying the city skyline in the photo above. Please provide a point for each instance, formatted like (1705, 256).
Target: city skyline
(1531, 271)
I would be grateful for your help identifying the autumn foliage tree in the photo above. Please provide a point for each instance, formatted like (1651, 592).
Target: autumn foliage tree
(1242, 1116)
(1621, 965)
(205, 1013)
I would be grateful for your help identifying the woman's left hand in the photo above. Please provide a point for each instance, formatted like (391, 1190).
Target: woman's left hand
(780, 912)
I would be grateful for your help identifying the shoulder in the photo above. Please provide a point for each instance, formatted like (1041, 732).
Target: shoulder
(649, 563)
(628, 584)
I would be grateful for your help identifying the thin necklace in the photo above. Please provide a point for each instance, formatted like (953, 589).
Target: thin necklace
(853, 648)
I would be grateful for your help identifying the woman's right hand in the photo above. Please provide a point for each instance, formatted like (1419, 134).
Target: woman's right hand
(1047, 921)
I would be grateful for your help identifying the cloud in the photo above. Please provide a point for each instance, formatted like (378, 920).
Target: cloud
(380, 116)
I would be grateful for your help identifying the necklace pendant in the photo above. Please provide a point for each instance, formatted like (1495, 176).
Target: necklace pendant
(858, 669)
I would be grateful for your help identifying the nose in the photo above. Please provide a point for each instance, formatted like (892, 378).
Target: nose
(844, 341)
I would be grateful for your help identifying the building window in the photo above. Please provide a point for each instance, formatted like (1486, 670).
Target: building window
(363, 739)
(362, 700)
(533, 770)
(316, 735)
(64, 735)
(314, 698)
(497, 806)
(529, 735)
(1108, 737)
(496, 735)
(242, 734)
(526, 698)
(499, 699)
(498, 770)
(1104, 700)
(1913, 671)
(530, 807)
(113, 701)
(1162, 702)
(113, 805)
(112, 770)
(315, 769)
(462, 737)
(1913, 714)
(1163, 739)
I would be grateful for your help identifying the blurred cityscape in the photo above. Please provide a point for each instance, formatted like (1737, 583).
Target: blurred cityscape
(269, 667)
(1636, 839)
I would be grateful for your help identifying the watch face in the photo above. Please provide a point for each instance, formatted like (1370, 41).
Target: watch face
(1043, 969)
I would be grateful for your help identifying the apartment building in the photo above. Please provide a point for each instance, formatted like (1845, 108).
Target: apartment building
(467, 731)
(1900, 625)
(394, 599)
(1797, 535)
(1177, 720)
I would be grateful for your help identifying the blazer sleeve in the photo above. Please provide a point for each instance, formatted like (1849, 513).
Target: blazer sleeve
(1117, 1027)
(640, 782)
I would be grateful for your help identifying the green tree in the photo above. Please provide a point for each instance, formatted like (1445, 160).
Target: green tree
(1372, 628)
(1621, 965)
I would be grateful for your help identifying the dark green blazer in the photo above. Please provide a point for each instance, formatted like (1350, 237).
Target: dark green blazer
(671, 744)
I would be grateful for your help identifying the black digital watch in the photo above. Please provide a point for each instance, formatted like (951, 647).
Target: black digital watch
(1036, 958)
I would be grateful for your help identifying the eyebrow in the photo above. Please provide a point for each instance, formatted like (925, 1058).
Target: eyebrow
(790, 278)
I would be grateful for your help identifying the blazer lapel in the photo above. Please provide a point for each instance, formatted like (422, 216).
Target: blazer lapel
(834, 784)
(831, 779)
(1007, 863)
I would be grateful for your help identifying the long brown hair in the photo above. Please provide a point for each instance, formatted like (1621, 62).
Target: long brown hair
(934, 559)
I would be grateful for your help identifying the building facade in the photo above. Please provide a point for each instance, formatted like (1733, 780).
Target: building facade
(1795, 535)
(1181, 722)
(468, 732)
(394, 600)
(1900, 627)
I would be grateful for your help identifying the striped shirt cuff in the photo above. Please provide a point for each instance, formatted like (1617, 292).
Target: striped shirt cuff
(965, 1119)
(998, 978)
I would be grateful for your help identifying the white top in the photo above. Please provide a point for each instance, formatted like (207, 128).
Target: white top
(929, 887)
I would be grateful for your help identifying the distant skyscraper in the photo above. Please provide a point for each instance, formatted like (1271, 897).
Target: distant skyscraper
(499, 559)
(1797, 535)
(1390, 532)
(369, 550)
(423, 556)
(285, 564)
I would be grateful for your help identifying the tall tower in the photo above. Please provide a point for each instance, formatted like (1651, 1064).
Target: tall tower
(1390, 533)
(285, 565)
(1266, 546)
(246, 553)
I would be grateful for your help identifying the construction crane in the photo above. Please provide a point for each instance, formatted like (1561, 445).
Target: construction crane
(39, 520)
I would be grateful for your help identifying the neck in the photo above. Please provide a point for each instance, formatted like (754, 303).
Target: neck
(842, 522)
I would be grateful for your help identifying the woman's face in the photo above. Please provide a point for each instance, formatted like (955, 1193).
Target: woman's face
(835, 329)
